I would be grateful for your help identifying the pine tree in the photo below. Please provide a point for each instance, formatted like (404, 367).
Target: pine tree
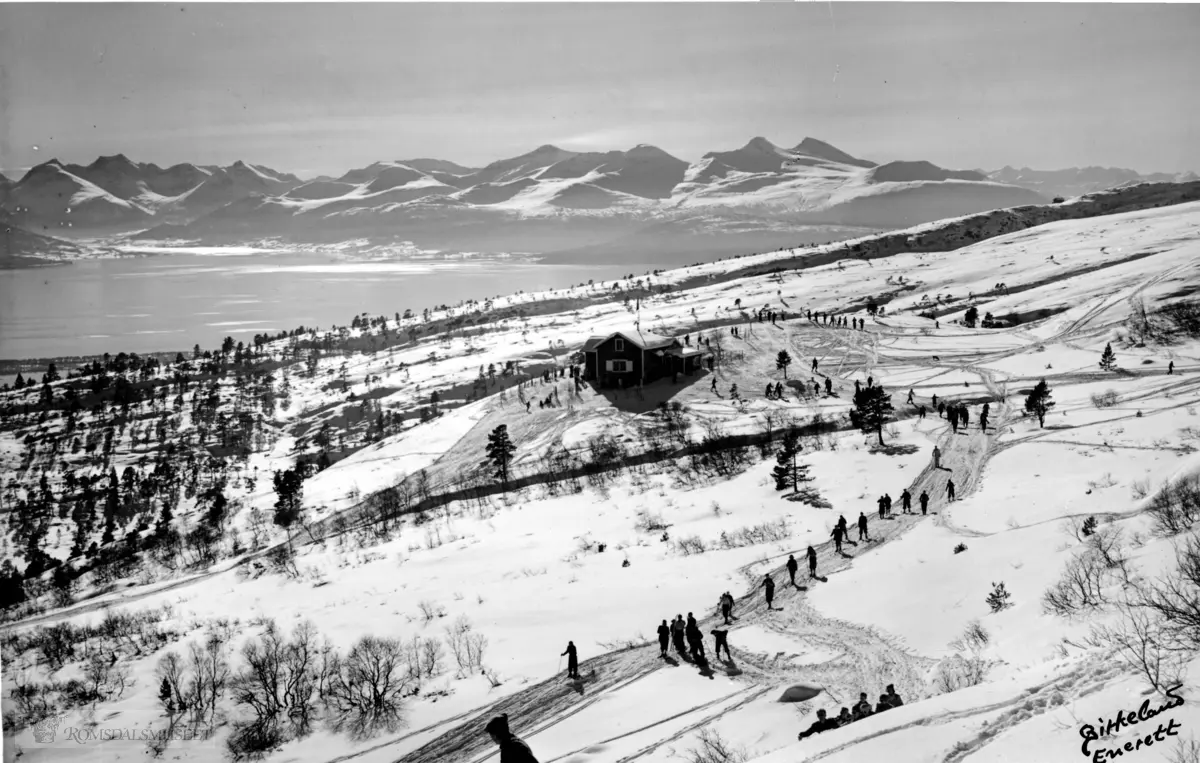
(998, 598)
(971, 316)
(500, 450)
(788, 472)
(782, 361)
(1108, 360)
(166, 696)
(872, 406)
(1039, 402)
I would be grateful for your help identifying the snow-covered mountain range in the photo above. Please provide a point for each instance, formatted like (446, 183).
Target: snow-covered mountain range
(563, 204)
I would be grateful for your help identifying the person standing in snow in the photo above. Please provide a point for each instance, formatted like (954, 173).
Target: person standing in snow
(862, 527)
(769, 584)
(720, 642)
(814, 365)
(937, 457)
(572, 660)
(837, 538)
(924, 499)
(812, 562)
(883, 704)
(983, 418)
(950, 490)
(664, 638)
(910, 396)
(887, 504)
(842, 524)
(942, 409)
(952, 417)
(921, 412)
(828, 386)
(882, 507)
(892, 697)
(512, 748)
(677, 629)
(963, 418)
(1171, 368)
(726, 606)
(863, 708)
(906, 501)
(792, 566)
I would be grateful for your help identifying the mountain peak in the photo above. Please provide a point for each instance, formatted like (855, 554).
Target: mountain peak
(759, 144)
(548, 148)
(116, 159)
(822, 150)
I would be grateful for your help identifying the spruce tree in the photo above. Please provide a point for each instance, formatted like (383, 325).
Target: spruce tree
(872, 406)
(1108, 360)
(500, 450)
(1039, 402)
(782, 361)
(788, 472)
(971, 316)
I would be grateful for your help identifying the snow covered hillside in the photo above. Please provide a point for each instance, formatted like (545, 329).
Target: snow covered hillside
(427, 576)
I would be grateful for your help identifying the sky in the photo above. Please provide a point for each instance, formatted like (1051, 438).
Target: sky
(322, 88)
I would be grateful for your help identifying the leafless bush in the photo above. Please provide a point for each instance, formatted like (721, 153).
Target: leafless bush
(1175, 599)
(104, 676)
(1108, 543)
(1176, 506)
(1080, 587)
(366, 695)
(767, 532)
(1185, 751)
(1105, 399)
(973, 639)
(691, 545)
(1183, 317)
(649, 522)
(492, 677)
(430, 610)
(1102, 483)
(209, 674)
(714, 748)
(1139, 641)
(959, 671)
(1140, 488)
(466, 645)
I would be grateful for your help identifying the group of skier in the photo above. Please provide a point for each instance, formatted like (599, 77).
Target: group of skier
(679, 631)
(861, 710)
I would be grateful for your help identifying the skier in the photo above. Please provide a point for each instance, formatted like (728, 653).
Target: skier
(863, 708)
(837, 538)
(887, 504)
(828, 386)
(882, 507)
(924, 502)
(862, 527)
(892, 697)
(770, 390)
(910, 396)
(983, 417)
(792, 566)
(842, 524)
(933, 402)
(963, 418)
(719, 639)
(664, 638)
(952, 417)
(770, 586)
(812, 562)
(921, 412)
(906, 501)
(572, 660)
(942, 409)
(726, 606)
(512, 748)
(950, 489)
(937, 457)
(821, 724)
(677, 629)
(714, 384)
(1170, 368)
(814, 365)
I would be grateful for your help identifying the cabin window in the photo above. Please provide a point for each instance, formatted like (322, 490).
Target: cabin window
(619, 344)
(619, 366)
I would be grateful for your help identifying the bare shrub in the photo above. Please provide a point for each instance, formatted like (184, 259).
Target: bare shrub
(767, 532)
(1140, 488)
(1176, 506)
(209, 674)
(649, 522)
(1080, 587)
(466, 645)
(1139, 642)
(1185, 751)
(714, 748)
(973, 639)
(366, 694)
(959, 671)
(691, 545)
(430, 610)
(1175, 599)
(1105, 399)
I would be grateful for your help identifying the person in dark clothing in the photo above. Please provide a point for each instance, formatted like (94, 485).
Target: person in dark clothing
(934, 403)
(887, 504)
(512, 748)
(906, 501)
(882, 507)
(844, 718)
(950, 490)
(952, 417)
(821, 724)
(862, 527)
(779, 390)
(664, 638)
(924, 499)
(1171, 368)
(770, 586)
(870, 380)
(863, 708)
(814, 365)
(941, 409)
(883, 704)
(792, 566)
(921, 412)
(828, 386)
(816, 388)
(677, 629)
(837, 538)
(937, 457)
(812, 562)
(910, 397)
(572, 660)
(720, 642)
(726, 606)
(964, 419)
(892, 697)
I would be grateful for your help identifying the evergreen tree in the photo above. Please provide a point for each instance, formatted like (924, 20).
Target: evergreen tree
(289, 489)
(1108, 360)
(51, 374)
(871, 410)
(500, 450)
(1039, 402)
(19, 382)
(782, 361)
(971, 316)
(788, 472)
(166, 696)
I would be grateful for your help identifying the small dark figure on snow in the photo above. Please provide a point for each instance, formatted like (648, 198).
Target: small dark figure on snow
(892, 697)
(677, 628)
(664, 638)
(779, 390)
(812, 562)
(950, 490)
(910, 397)
(713, 387)
(726, 606)
(870, 380)
(828, 386)
(882, 507)
(720, 642)
(862, 527)
(512, 748)
(863, 708)
(963, 418)
(837, 538)
(921, 412)
(942, 409)
(906, 501)
(933, 402)
(887, 503)
(937, 457)
(821, 724)
(572, 660)
(792, 566)
(924, 499)
(770, 586)
(814, 365)
(1170, 368)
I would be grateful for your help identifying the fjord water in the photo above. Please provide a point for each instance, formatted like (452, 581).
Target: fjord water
(165, 302)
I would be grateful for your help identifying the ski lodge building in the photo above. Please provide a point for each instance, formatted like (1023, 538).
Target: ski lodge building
(629, 358)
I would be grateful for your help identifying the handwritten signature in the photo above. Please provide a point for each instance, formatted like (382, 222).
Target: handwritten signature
(1123, 721)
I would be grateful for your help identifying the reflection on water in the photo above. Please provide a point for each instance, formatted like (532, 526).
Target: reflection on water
(169, 301)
